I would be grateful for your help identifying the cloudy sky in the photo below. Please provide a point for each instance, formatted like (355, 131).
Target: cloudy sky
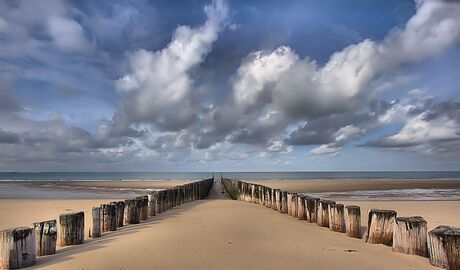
(238, 85)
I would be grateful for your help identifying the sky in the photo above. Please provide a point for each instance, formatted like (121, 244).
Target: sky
(229, 85)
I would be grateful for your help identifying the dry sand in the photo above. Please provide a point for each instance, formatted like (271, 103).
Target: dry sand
(219, 233)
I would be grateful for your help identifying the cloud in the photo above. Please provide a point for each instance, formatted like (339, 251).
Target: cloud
(8, 137)
(344, 82)
(8, 104)
(431, 128)
(159, 85)
(257, 72)
(296, 89)
(68, 34)
(341, 136)
(326, 149)
(192, 93)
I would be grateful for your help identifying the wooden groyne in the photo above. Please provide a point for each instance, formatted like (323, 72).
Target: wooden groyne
(20, 247)
(404, 234)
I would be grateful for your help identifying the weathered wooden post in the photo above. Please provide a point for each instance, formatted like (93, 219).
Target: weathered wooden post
(152, 204)
(96, 213)
(409, 236)
(274, 206)
(311, 208)
(108, 217)
(380, 227)
(289, 202)
(291, 199)
(295, 205)
(46, 237)
(159, 200)
(452, 246)
(248, 192)
(144, 203)
(169, 196)
(120, 209)
(444, 247)
(17, 248)
(284, 202)
(323, 212)
(301, 214)
(271, 193)
(71, 229)
(131, 214)
(278, 200)
(336, 217)
(353, 221)
(261, 195)
(174, 196)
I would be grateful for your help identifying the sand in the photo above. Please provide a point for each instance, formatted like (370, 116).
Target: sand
(219, 233)
(20, 212)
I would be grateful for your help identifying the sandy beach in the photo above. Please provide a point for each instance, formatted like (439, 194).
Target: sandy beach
(219, 233)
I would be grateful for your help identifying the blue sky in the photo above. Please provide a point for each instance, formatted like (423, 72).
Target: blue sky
(237, 85)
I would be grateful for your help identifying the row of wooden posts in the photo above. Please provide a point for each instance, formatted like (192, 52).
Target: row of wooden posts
(19, 247)
(405, 234)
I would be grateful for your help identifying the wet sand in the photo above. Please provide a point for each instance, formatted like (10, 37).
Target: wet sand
(314, 186)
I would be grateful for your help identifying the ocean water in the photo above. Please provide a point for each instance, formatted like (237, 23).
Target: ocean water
(409, 194)
(36, 185)
(126, 176)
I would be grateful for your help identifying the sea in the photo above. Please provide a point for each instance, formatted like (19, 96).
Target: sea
(35, 185)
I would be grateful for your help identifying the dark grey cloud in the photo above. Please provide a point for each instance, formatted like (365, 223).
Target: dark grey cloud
(8, 137)
(8, 104)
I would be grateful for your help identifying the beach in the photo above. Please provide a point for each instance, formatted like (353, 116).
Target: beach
(220, 233)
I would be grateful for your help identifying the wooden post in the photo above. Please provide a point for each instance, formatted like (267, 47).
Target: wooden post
(144, 203)
(120, 209)
(380, 227)
(152, 204)
(71, 229)
(261, 195)
(284, 202)
(159, 200)
(295, 205)
(108, 217)
(131, 214)
(409, 236)
(443, 247)
(291, 204)
(46, 237)
(289, 201)
(268, 197)
(353, 221)
(336, 217)
(323, 212)
(96, 212)
(278, 200)
(452, 245)
(301, 215)
(17, 248)
(311, 208)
